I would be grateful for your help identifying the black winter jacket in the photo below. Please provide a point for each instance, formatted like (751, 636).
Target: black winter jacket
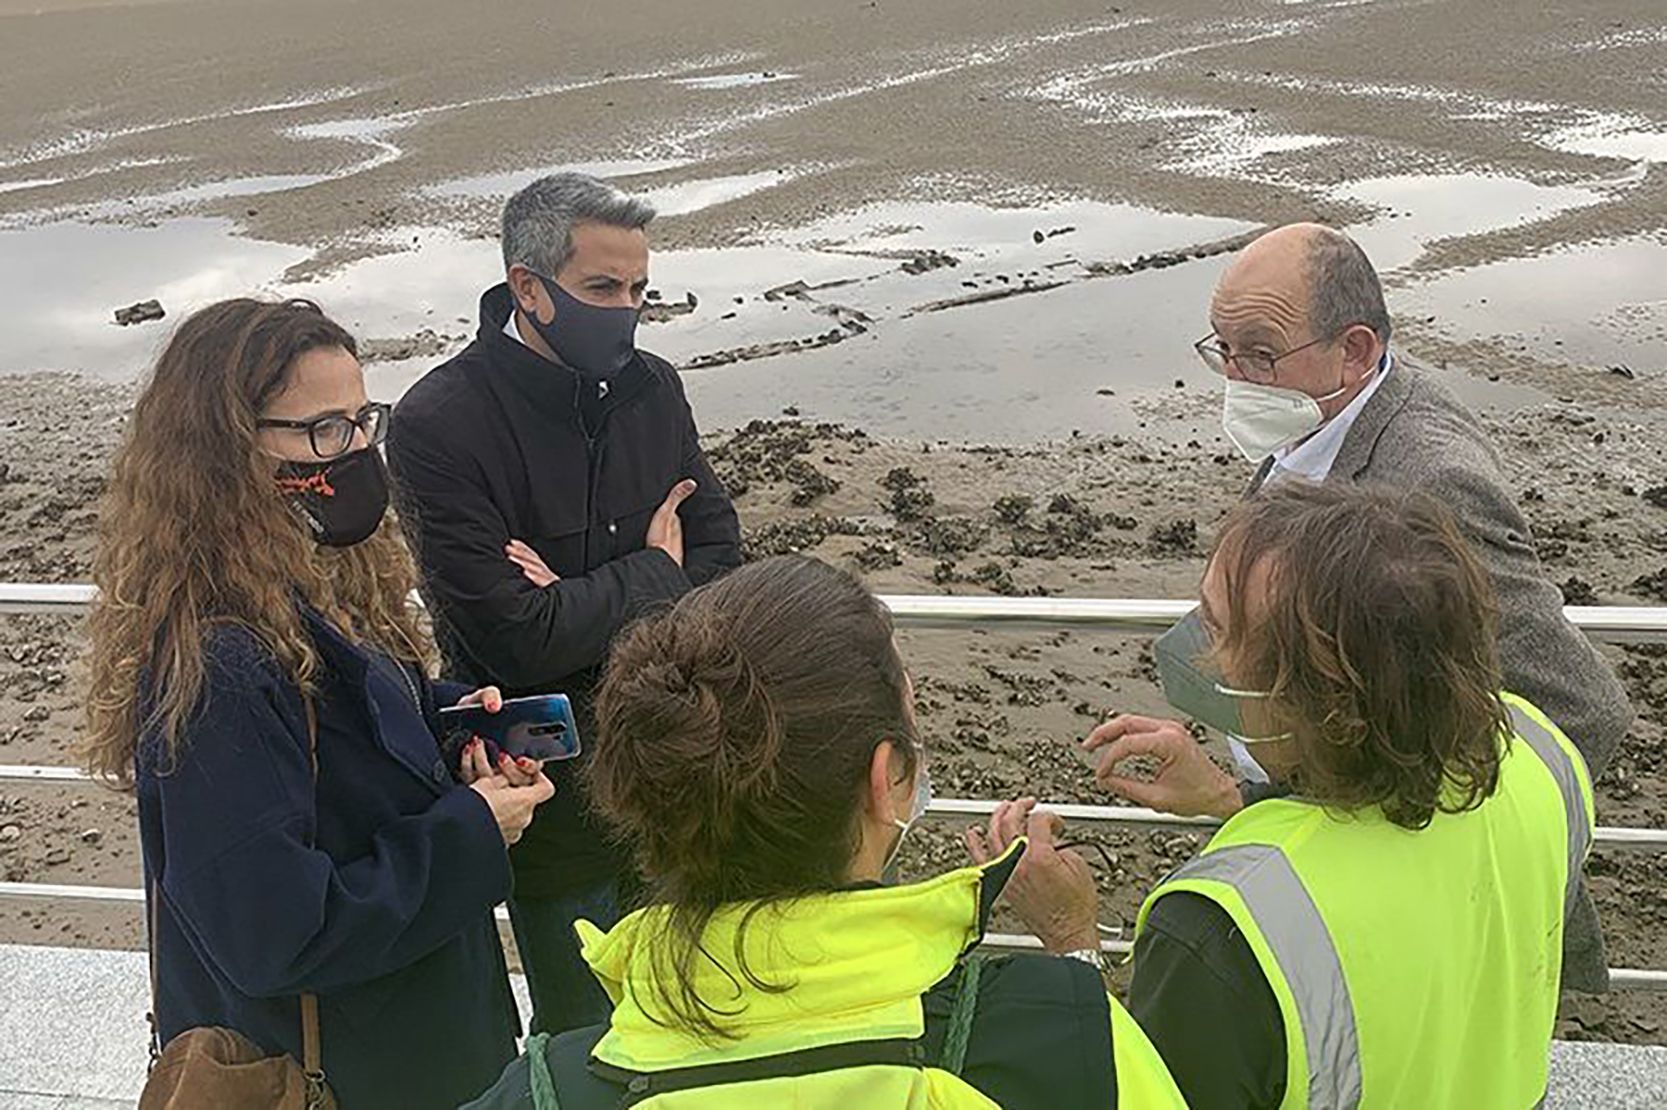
(491, 445)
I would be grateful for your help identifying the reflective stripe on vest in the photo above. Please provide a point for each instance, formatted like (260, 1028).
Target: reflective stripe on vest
(1561, 764)
(1297, 936)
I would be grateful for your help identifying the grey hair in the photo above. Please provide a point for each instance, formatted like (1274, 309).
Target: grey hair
(539, 220)
(1343, 288)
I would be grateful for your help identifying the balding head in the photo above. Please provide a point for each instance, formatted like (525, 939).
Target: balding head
(1307, 273)
(1306, 296)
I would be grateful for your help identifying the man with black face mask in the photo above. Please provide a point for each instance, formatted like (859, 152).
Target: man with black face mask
(552, 482)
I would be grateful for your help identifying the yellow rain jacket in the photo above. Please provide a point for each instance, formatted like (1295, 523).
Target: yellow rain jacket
(869, 1000)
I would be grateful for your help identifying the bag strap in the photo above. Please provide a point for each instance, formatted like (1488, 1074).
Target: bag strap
(150, 1017)
(640, 1086)
(539, 1080)
(960, 1017)
(312, 1045)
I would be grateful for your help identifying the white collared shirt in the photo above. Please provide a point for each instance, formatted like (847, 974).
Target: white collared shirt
(1312, 459)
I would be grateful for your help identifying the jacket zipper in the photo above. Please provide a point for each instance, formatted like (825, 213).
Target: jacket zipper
(595, 447)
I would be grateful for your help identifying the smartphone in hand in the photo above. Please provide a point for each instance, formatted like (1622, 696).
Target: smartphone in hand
(539, 727)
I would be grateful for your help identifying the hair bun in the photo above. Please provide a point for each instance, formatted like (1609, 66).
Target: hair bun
(691, 733)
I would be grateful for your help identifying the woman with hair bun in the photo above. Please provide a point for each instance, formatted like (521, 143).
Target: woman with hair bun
(758, 750)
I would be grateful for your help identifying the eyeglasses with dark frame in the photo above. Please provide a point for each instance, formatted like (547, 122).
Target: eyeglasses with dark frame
(331, 436)
(1253, 366)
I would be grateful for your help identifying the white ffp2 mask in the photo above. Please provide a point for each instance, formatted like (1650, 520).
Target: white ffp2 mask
(1260, 419)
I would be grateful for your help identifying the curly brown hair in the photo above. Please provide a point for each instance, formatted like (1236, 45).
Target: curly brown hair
(734, 736)
(1375, 630)
(193, 536)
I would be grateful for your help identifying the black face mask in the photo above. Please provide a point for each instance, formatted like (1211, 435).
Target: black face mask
(592, 340)
(341, 499)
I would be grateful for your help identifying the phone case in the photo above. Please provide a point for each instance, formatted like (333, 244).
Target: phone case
(540, 728)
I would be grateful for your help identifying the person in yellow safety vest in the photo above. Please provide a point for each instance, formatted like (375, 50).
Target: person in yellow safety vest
(1389, 932)
(758, 750)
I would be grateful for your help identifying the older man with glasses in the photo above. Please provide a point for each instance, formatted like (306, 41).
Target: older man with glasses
(1302, 338)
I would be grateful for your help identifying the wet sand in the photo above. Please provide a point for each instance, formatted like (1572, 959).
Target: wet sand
(982, 234)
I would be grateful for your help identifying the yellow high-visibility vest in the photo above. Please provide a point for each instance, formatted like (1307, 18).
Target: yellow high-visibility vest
(1412, 967)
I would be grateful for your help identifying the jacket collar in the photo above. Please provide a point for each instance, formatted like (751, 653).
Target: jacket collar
(551, 385)
(343, 655)
(854, 964)
(1391, 397)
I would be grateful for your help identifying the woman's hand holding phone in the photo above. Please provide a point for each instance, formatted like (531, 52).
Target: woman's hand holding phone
(513, 788)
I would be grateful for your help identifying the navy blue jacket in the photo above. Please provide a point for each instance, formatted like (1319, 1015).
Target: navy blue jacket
(373, 889)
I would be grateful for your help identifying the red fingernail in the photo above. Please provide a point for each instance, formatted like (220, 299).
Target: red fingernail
(526, 764)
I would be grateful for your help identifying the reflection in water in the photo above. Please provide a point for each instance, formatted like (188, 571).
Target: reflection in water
(435, 284)
(936, 320)
(1025, 368)
(1422, 208)
(61, 284)
(1599, 305)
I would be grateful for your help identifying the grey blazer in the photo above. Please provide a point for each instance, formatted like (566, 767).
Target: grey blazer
(1416, 434)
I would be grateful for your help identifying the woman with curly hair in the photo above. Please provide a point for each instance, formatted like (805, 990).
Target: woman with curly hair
(1385, 929)
(258, 679)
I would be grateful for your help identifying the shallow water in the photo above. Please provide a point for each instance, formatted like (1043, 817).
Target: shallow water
(61, 284)
(29, 183)
(1418, 209)
(1595, 306)
(719, 81)
(1627, 137)
(676, 199)
(931, 320)
(500, 185)
(692, 196)
(208, 191)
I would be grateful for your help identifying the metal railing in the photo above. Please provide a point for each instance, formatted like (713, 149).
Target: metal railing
(1605, 623)
(1612, 624)
(1607, 836)
(1620, 978)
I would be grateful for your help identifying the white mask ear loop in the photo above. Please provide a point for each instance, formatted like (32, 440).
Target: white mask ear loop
(921, 802)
